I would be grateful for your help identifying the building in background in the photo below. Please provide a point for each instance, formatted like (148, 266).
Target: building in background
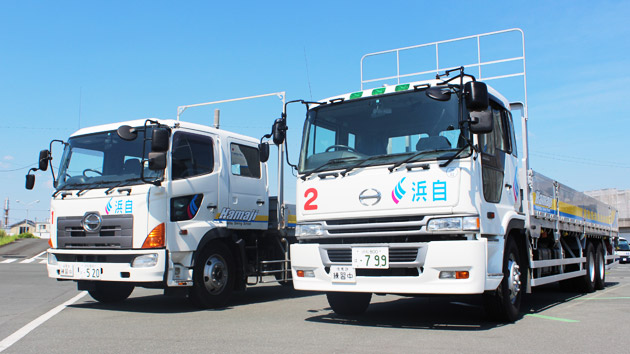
(619, 199)
(22, 227)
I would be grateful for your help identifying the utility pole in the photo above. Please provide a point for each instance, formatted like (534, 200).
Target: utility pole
(6, 212)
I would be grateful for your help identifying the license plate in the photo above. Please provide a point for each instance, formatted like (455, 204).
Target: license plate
(89, 271)
(343, 274)
(66, 270)
(370, 257)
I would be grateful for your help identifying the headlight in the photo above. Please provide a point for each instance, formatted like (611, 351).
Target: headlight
(468, 223)
(145, 261)
(309, 230)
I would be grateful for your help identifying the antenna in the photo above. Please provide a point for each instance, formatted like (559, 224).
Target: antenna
(308, 77)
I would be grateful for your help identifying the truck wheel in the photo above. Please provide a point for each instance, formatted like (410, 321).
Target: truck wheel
(503, 304)
(349, 304)
(586, 283)
(213, 276)
(110, 292)
(600, 267)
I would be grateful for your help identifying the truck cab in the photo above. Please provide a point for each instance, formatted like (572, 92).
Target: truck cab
(163, 204)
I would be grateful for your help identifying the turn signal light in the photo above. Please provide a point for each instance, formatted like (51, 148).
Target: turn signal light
(50, 242)
(155, 239)
(461, 275)
(300, 273)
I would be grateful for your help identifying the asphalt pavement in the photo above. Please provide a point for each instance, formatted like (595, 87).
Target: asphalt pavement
(276, 319)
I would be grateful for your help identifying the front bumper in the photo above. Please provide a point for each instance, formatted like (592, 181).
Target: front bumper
(422, 275)
(106, 265)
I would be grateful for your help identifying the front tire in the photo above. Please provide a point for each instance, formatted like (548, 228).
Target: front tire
(110, 292)
(213, 276)
(349, 304)
(503, 304)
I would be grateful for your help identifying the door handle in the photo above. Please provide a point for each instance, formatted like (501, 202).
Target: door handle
(508, 186)
(211, 206)
(260, 202)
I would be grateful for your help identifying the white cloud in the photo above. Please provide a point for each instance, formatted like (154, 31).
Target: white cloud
(8, 158)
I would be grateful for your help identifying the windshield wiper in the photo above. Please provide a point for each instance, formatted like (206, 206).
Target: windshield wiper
(455, 155)
(413, 157)
(360, 163)
(327, 163)
(121, 183)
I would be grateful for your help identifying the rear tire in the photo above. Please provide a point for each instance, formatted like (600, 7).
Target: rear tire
(110, 292)
(213, 277)
(600, 267)
(349, 304)
(586, 283)
(503, 304)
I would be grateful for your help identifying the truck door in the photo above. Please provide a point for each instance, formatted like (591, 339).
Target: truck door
(194, 175)
(498, 167)
(248, 206)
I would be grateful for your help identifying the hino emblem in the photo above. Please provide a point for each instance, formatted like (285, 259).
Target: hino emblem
(91, 222)
(370, 197)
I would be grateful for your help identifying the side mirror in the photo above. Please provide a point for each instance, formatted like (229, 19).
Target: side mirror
(263, 151)
(126, 132)
(44, 156)
(157, 161)
(439, 93)
(30, 181)
(279, 131)
(481, 122)
(476, 96)
(159, 140)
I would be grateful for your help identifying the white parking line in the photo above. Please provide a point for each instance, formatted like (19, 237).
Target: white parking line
(20, 333)
(10, 260)
(26, 261)
(43, 261)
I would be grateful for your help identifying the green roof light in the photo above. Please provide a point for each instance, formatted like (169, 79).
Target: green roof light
(378, 91)
(356, 95)
(404, 87)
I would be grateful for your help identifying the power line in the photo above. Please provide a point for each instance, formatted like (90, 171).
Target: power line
(19, 168)
(579, 160)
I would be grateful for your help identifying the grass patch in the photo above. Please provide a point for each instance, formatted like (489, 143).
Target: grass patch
(5, 239)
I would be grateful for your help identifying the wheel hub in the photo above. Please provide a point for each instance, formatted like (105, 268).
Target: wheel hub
(215, 274)
(514, 280)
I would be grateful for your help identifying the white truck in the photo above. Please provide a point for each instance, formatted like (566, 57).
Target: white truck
(419, 188)
(166, 204)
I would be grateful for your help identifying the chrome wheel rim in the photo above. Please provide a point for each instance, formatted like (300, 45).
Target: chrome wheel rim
(514, 278)
(215, 274)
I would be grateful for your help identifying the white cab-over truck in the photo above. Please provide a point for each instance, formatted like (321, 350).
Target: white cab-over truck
(419, 188)
(165, 204)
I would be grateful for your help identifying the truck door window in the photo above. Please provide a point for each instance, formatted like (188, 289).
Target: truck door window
(192, 155)
(245, 161)
(494, 146)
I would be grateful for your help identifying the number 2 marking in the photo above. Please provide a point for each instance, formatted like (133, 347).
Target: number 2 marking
(309, 203)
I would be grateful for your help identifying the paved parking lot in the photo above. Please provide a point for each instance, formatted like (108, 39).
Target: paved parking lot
(272, 318)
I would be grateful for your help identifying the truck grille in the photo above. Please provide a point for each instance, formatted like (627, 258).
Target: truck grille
(375, 226)
(116, 232)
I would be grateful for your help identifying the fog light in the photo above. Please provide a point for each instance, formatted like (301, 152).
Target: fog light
(52, 260)
(145, 261)
(305, 274)
(462, 274)
(447, 275)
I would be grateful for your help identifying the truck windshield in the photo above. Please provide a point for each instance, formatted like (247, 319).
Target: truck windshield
(381, 130)
(623, 246)
(103, 160)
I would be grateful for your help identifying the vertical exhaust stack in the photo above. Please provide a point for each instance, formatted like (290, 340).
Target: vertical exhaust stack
(216, 118)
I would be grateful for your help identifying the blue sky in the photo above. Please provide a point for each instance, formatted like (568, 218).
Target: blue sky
(71, 64)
